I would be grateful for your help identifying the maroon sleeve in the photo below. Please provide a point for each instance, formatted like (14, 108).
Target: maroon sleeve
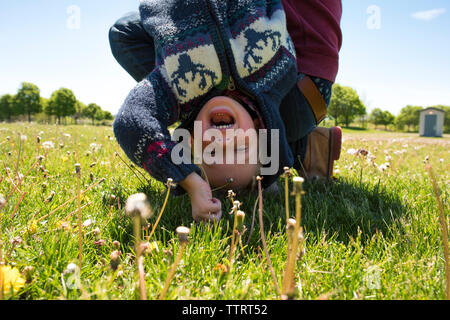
(314, 26)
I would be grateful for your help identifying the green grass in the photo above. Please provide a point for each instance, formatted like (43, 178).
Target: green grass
(370, 234)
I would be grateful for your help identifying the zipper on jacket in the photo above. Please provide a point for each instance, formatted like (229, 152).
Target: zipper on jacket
(231, 85)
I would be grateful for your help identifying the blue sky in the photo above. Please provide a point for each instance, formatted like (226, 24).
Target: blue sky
(395, 54)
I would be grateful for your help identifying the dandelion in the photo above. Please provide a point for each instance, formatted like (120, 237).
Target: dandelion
(138, 205)
(10, 280)
(28, 273)
(288, 283)
(2, 201)
(183, 236)
(383, 167)
(96, 232)
(63, 225)
(71, 268)
(16, 241)
(362, 152)
(87, 223)
(115, 259)
(48, 145)
(50, 198)
(263, 237)
(116, 244)
(100, 243)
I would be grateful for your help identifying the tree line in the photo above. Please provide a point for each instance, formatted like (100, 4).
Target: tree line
(346, 108)
(28, 103)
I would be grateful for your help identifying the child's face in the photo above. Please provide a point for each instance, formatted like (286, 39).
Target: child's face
(224, 113)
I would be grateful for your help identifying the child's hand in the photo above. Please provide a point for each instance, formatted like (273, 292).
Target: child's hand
(204, 206)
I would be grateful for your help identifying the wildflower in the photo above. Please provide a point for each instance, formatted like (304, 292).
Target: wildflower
(362, 152)
(32, 228)
(50, 198)
(100, 243)
(66, 135)
(87, 223)
(19, 177)
(183, 234)
(138, 205)
(115, 259)
(71, 268)
(28, 273)
(48, 145)
(96, 231)
(95, 147)
(352, 151)
(23, 137)
(221, 268)
(61, 145)
(63, 225)
(383, 167)
(116, 244)
(240, 217)
(16, 240)
(149, 247)
(2, 201)
(11, 278)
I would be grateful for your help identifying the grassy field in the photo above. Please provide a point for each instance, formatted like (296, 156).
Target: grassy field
(371, 233)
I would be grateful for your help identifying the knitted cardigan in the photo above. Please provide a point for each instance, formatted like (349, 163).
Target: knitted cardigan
(203, 46)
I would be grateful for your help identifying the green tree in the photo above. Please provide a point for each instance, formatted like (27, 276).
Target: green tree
(380, 117)
(345, 105)
(7, 107)
(409, 116)
(62, 103)
(80, 106)
(108, 115)
(91, 111)
(28, 100)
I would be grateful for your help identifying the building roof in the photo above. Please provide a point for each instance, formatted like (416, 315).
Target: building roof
(432, 108)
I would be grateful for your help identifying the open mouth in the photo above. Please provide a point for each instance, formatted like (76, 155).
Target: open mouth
(222, 120)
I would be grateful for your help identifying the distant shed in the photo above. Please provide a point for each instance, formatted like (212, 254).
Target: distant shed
(431, 122)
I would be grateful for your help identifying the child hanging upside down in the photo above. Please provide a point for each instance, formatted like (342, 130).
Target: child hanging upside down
(247, 98)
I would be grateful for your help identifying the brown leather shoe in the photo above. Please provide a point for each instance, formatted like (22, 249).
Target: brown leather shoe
(324, 147)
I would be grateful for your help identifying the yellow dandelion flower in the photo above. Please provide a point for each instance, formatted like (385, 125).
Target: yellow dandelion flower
(10, 279)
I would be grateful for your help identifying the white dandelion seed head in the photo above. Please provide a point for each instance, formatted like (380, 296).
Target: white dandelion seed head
(138, 205)
(183, 233)
(71, 268)
(87, 223)
(48, 145)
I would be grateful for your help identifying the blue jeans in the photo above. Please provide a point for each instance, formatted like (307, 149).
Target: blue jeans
(134, 49)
